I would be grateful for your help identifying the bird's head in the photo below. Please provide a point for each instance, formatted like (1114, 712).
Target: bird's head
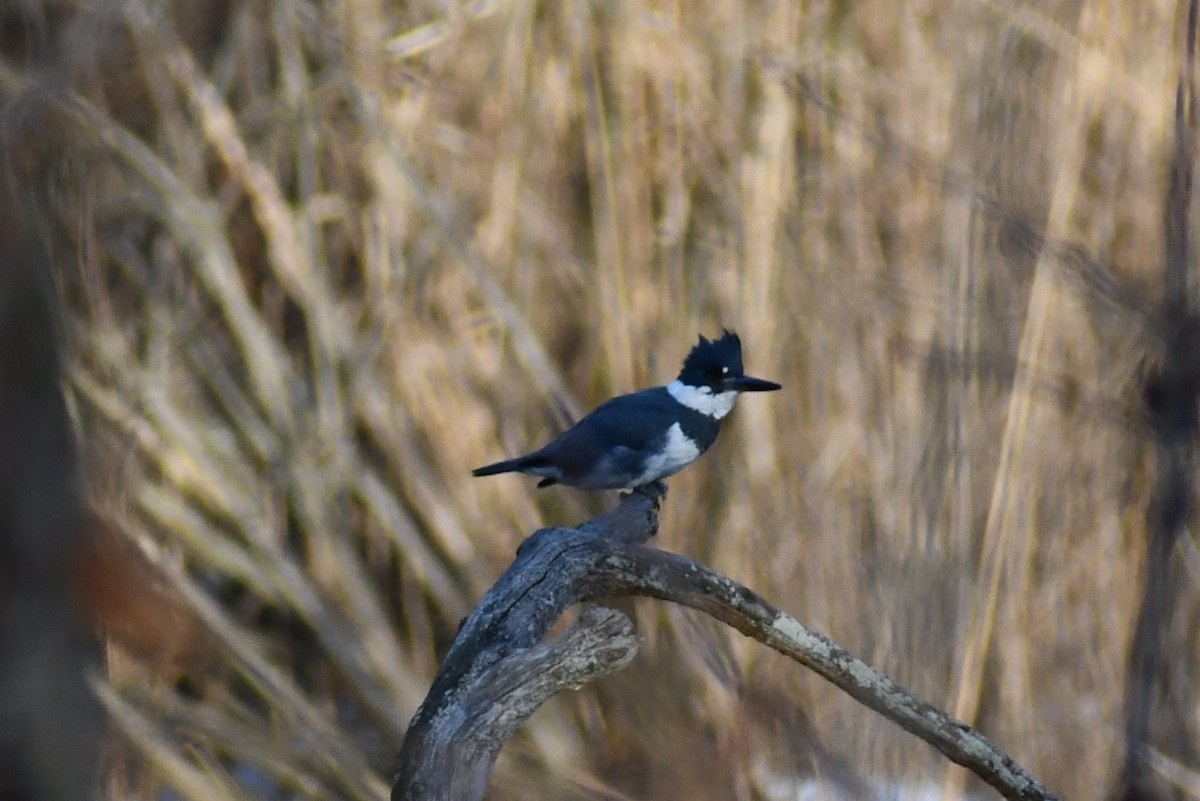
(716, 365)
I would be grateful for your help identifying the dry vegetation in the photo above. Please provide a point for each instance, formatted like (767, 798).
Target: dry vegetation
(320, 259)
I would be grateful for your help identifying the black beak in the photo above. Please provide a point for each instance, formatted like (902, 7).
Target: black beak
(745, 383)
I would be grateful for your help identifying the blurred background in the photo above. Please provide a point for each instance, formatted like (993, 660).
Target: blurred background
(312, 262)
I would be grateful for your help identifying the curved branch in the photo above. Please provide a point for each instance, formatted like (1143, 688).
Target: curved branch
(457, 755)
(606, 557)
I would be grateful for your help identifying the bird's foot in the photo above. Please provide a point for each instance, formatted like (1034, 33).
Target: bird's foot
(632, 521)
(655, 490)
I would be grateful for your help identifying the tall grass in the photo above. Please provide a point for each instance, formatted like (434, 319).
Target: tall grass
(320, 259)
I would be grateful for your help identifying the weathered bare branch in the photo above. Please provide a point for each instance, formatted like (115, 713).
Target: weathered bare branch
(459, 753)
(495, 674)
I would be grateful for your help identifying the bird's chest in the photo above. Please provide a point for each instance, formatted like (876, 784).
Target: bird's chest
(697, 429)
(675, 450)
(680, 445)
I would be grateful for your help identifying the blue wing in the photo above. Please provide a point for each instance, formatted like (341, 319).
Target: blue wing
(623, 430)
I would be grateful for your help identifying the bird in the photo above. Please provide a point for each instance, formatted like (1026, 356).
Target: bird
(634, 440)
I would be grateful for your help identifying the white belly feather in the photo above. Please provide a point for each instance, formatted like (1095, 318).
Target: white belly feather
(677, 453)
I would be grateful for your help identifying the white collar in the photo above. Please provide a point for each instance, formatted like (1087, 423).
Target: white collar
(702, 399)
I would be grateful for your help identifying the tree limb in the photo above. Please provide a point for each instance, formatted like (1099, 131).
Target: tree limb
(485, 689)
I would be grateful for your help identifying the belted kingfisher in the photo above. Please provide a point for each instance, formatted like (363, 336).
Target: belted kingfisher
(635, 439)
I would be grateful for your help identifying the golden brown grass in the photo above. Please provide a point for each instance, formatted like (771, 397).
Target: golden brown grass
(322, 259)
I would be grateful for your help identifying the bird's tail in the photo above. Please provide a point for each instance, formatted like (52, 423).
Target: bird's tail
(507, 466)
